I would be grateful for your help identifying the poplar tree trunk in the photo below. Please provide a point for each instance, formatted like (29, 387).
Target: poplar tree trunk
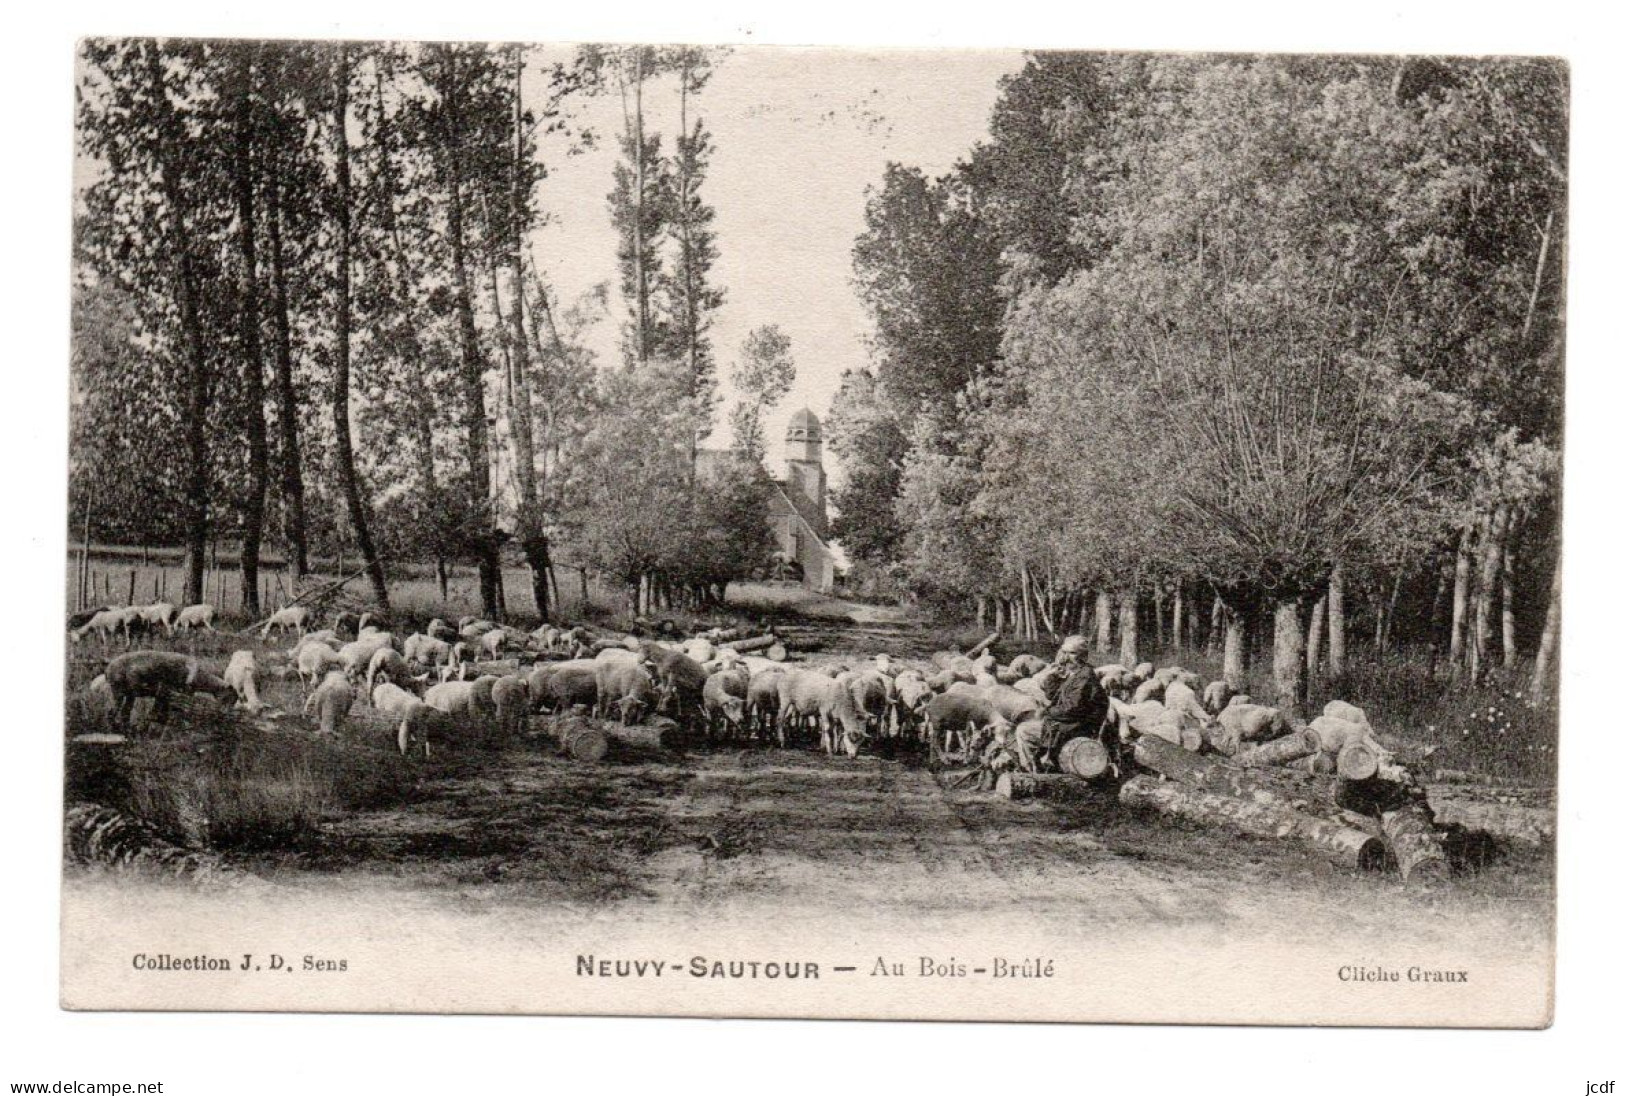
(404, 290)
(1336, 634)
(1540, 684)
(1216, 632)
(1317, 628)
(1463, 587)
(1103, 621)
(1489, 579)
(242, 171)
(1128, 626)
(1179, 613)
(532, 527)
(293, 480)
(1235, 648)
(343, 445)
(172, 135)
(1509, 623)
(1291, 683)
(472, 373)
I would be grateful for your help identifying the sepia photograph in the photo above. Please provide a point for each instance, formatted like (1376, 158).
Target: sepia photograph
(763, 531)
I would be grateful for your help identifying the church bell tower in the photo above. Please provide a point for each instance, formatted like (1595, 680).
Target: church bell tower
(804, 468)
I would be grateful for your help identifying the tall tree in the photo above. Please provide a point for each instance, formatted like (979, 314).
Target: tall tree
(247, 129)
(360, 523)
(694, 297)
(451, 72)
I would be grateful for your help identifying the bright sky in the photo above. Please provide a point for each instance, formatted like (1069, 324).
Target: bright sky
(799, 134)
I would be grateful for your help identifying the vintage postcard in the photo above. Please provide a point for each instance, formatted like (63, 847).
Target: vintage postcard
(757, 532)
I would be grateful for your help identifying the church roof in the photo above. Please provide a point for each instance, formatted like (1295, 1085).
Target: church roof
(804, 426)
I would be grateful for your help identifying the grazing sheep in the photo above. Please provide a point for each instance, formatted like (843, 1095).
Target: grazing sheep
(106, 623)
(388, 665)
(559, 686)
(439, 629)
(346, 623)
(1180, 697)
(762, 700)
(159, 674)
(700, 650)
(1151, 689)
(326, 637)
(1027, 665)
(474, 629)
(628, 686)
(293, 617)
(724, 696)
(314, 661)
(961, 717)
(241, 673)
(195, 616)
(356, 655)
(456, 699)
(1142, 672)
(828, 704)
(331, 700)
(1217, 695)
(417, 718)
(511, 696)
(480, 689)
(1243, 723)
(875, 698)
(160, 614)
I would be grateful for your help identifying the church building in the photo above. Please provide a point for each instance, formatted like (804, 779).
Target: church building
(800, 520)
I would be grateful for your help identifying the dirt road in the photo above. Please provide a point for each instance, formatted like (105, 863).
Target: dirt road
(702, 835)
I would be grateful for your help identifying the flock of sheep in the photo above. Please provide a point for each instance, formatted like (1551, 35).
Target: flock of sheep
(429, 682)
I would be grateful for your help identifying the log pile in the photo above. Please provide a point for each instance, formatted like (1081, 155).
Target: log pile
(1329, 786)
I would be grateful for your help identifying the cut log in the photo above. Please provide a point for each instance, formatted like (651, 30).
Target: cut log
(1509, 821)
(1344, 846)
(1321, 764)
(777, 653)
(1332, 733)
(1280, 751)
(982, 646)
(1417, 847)
(581, 738)
(1060, 787)
(1282, 787)
(1357, 761)
(754, 643)
(1084, 757)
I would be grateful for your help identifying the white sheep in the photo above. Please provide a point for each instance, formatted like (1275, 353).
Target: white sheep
(417, 718)
(293, 617)
(331, 700)
(195, 616)
(315, 660)
(241, 672)
(160, 614)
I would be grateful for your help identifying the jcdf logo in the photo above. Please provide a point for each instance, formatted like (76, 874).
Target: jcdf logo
(1599, 1088)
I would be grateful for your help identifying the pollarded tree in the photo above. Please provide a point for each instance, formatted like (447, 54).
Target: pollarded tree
(1244, 298)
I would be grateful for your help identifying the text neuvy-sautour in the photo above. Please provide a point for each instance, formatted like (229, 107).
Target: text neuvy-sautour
(700, 966)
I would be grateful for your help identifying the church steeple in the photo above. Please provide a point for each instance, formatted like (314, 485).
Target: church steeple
(804, 468)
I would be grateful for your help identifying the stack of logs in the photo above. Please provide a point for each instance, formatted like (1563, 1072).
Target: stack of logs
(1328, 785)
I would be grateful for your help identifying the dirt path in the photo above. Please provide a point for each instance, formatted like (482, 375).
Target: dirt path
(748, 833)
